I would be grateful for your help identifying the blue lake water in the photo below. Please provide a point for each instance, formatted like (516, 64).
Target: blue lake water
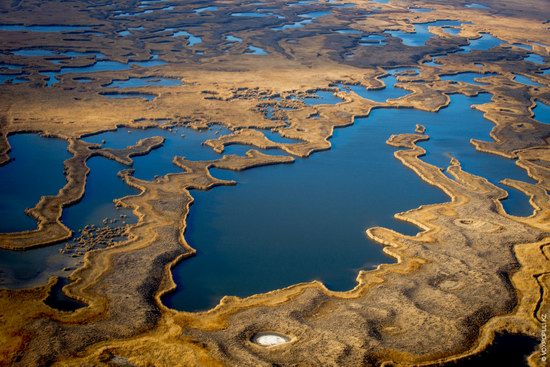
(101, 65)
(251, 15)
(19, 178)
(534, 58)
(323, 97)
(43, 28)
(102, 187)
(348, 31)
(191, 39)
(34, 52)
(525, 80)
(254, 50)
(522, 46)
(372, 40)
(421, 10)
(207, 9)
(485, 42)
(476, 6)
(159, 161)
(378, 95)
(421, 33)
(244, 234)
(27, 268)
(231, 38)
(144, 82)
(13, 78)
(542, 112)
(507, 350)
(466, 77)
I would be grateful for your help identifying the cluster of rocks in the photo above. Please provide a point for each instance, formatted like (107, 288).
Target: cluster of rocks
(93, 237)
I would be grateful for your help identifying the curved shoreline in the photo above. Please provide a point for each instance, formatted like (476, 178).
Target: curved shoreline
(330, 327)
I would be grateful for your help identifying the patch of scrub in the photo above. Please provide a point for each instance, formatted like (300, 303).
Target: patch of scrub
(421, 32)
(277, 138)
(36, 169)
(253, 50)
(542, 112)
(145, 82)
(127, 95)
(468, 77)
(270, 339)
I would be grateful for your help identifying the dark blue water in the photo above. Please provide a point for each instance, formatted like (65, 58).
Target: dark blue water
(102, 65)
(102, 187)
(144, 82)
(534, 58)
(485, 42)
(466, 77)
(373, 40)
(159, 161)
(421, 33)
(58, 300)
(13, 78)
(542, 112)
(251, 15)
(525, 80)
(378, 95)
(507, 350)
(291, 223)
(43, 28)
(322, 97)
(22, 180)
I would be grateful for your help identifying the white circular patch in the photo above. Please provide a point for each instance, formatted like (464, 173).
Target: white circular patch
(270, 339)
